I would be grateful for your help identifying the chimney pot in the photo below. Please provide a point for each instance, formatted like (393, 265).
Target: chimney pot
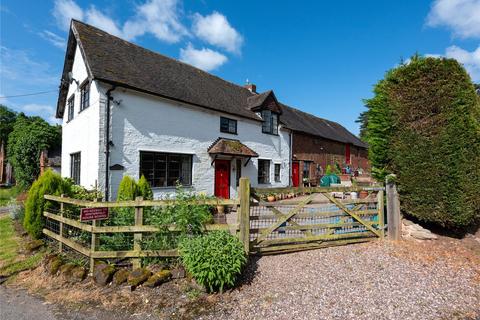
(251, 87)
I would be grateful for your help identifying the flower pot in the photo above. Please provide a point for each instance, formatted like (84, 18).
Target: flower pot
(220, 209)
(363, 194)
(271, 198)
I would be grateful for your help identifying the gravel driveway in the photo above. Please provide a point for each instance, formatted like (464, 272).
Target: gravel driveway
(367, 281)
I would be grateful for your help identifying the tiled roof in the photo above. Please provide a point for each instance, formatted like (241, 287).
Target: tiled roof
(118, 62)
(231, 147)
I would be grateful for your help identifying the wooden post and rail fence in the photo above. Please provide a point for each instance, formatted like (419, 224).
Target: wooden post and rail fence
(315, 219)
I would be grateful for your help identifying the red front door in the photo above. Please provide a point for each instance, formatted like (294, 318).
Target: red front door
(347, 154)
(222, 179)
(295, 174)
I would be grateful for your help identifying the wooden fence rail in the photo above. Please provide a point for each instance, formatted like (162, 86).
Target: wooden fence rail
(262, 227)
(138, 229)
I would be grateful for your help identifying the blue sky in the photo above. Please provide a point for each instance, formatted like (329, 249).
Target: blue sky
(321, 57)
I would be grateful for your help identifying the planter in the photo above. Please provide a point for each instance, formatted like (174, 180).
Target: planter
(221, 209)
(363, 194)
(271, 198)
(345, 177)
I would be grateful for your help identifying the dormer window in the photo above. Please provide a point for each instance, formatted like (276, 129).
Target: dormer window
(270, 122)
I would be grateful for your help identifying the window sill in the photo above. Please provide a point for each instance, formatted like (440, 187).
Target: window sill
(170, 188)
(229, 133)
(272, 134)
(83, 109)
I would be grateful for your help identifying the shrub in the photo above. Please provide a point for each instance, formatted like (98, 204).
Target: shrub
(127, 190)
(79, 192)
(143, 188)
(48, 183)
(215, 259)
(424, 125)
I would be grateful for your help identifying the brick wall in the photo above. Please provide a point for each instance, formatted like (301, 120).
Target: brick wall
(319, 152)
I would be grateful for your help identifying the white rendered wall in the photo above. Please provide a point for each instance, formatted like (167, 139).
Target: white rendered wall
(146, 123)
(81, 134)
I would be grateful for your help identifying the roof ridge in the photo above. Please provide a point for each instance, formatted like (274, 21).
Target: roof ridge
(162, 55)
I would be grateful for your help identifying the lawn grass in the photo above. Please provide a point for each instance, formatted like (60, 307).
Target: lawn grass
(11, 262)
(7, 194)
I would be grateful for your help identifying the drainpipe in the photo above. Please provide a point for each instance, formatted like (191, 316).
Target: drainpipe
(107, 143)
(290, 182)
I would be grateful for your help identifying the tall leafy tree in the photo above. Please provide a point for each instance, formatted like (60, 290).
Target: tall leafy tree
(424, 126)
(7, 119)
(30, 135)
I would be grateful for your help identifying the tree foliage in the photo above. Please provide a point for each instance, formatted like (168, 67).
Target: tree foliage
(424, 125)
(30, 135)
(48, 183)
(7, 119)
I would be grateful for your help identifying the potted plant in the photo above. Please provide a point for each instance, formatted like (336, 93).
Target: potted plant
(363, 194)
(220, 209)
(271, 197)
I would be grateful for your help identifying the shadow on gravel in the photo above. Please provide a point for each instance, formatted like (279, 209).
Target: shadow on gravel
(250, 271)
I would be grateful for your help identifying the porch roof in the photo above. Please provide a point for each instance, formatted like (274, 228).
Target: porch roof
(231, 147)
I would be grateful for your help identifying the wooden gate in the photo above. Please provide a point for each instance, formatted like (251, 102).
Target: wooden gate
(314, 218)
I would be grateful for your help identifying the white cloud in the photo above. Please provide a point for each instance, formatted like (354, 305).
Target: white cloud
(37, 108)
(43, 110)
(216, 30)
(64, 11)
(469, 59)
(461, 16)
(53, 38)
(101, 21)
(158, 17)
(205, 59)
(161, 18)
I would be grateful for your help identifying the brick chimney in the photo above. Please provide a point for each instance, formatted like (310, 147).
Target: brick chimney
(251, 87)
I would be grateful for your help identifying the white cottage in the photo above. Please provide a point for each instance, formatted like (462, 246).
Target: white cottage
(129, 111)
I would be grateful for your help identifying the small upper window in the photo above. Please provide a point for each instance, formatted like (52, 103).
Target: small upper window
(84, 96)
(228, 125)
(270, 122)
(70, 107)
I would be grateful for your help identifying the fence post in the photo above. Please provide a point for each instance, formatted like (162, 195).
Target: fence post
(244, 218)
(94, 243)
(60, 227)
(137, 237)
(381, 213)
(394, 220)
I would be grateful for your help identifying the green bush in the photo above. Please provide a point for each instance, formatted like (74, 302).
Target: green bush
(127, 190)
(79, 192)
(48, 183)
(424, 126)
(143, 189)
(215, 259)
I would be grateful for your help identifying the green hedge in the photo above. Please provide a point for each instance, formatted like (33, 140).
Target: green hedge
(424, 125)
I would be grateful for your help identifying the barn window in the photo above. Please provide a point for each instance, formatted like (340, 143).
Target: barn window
(263, 171)
(75, 161)
(166, 169)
